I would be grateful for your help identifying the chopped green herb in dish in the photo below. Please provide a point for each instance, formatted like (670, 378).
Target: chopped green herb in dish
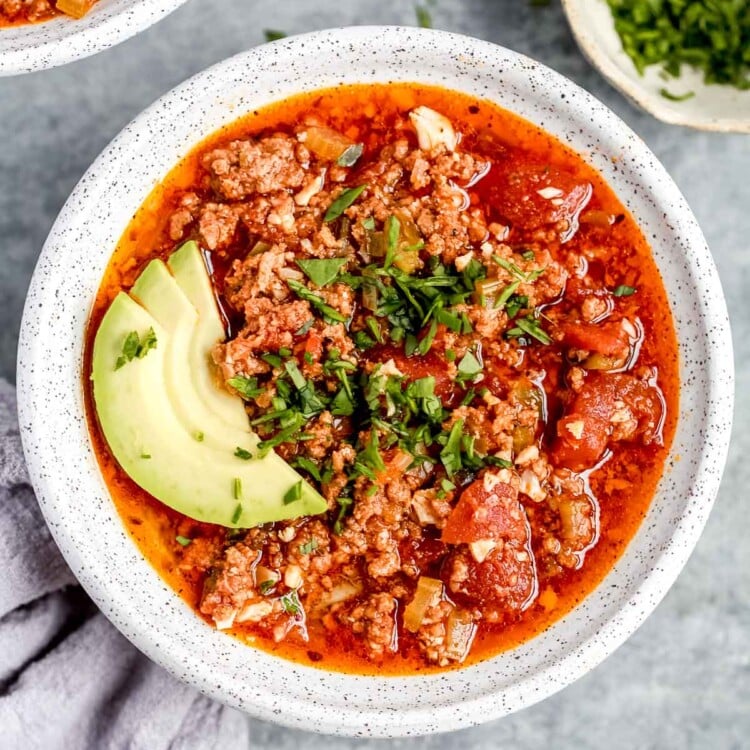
(712, 36)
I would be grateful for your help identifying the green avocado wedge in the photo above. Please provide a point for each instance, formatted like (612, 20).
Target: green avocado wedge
(169, 425)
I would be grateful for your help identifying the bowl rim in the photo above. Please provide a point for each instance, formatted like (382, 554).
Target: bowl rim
(368, 718)
(596, 53)
(27, 48)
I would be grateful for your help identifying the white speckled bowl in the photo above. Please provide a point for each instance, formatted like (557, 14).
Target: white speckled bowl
(38, 46)
(721, 108)
(74, 498)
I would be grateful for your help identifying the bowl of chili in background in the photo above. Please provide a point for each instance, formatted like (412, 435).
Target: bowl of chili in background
(76, 501)
(40, 37)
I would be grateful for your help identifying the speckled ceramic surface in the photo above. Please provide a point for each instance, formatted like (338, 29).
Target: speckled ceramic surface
(721, 108)
(31, 47)
(83, 519)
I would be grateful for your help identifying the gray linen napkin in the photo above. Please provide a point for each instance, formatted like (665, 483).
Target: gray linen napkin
(68, 679)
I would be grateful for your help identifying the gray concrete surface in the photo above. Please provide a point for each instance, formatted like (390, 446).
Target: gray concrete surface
(683, 681)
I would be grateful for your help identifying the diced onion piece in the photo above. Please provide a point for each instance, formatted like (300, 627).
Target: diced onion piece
(530, 486)
(460, 631)
(400, 462)
(255, 611)
(225, 620)
(428, 594)
(550, 192)
(433, 129)
(341, 592)
(326, 143)
(293, 576)
(481, 549)
(75, 8)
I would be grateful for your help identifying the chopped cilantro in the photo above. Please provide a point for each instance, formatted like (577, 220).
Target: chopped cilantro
(291, 603)
(623, 291)
(243, 454)
(308, 547)
(135, 348)
(329, 314)
(237, 513)
(273, 35)
(246, 387)
(343, 202)
(294, 493)
(183, 541)
(321, 271)
(470, 365)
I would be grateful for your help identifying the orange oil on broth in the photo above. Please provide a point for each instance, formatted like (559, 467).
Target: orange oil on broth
(624, 486)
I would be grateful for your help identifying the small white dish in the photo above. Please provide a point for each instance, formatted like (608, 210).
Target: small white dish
(80, 512)
(37, 46)
(714, 107)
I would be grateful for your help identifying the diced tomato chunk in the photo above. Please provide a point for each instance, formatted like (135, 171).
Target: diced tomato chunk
(314, 344)
(608, 339)
(585, 430)
(485, 514)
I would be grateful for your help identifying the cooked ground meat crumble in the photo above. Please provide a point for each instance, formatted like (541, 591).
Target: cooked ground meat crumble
(454, 377)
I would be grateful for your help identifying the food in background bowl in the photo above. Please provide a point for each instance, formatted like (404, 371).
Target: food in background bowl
(14, 12)
(385, 378)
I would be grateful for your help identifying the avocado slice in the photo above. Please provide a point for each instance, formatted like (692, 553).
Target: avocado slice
(170, 425)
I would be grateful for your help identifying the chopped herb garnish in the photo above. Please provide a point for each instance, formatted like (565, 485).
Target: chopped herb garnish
(304, 328)
(424, 19)
(301, 462)
(351, 155)
(321, 271)
(530, 326)
(425, 343)
(710, 35)
(528, 255)
(308, 547)
(145, 455)
(623, 290)
(243, 454)
(450, 355)
(273, 35)
(308, 357)
(368, 223)
(506, 294)
(246, 387)
(237, 488)
(183, 541)
(329, 314)
(291, 603)
(392, 231)
(451, 453)
(525, 276)
(470, 365)
(198, 436)
(676, 97)
(135, 348)
(343, 202)
(294, 493)
(266, 586)
(237, 513)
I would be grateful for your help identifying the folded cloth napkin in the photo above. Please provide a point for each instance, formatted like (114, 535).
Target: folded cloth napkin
(68, 679)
